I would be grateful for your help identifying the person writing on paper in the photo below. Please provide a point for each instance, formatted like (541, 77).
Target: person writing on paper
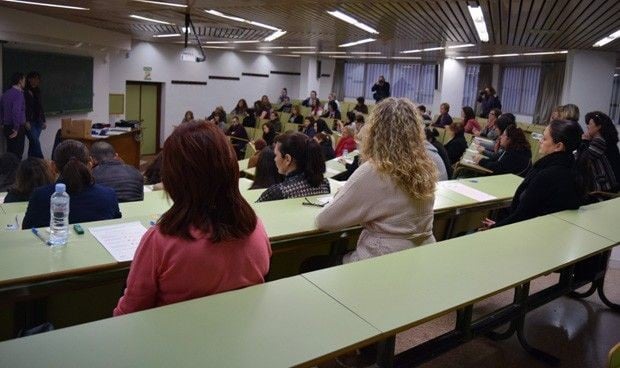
(210, 240)
(553, 184)
(392, 192)
(89, 201)
(300, 160)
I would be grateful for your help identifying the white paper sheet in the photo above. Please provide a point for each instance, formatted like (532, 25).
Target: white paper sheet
(120, 240)
(469, 192)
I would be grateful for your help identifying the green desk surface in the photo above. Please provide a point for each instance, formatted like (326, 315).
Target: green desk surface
(279, 324)
(243, 164)
(501, 186)
(404, 289)
(600, 218)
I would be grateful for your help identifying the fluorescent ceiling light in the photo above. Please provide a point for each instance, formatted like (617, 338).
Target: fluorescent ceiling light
(271, 47)
(161, 3)
(216, 42)
(301, 47)
(544, 53)
(219, 47)
(275, 35)
(167, 35)
(222, 15)
(289, 55)
(257, 51)
(304, 52)
(479, 57)
(608, 39)
(247, 41)
(332, 52)
(342, 16)
(357, 42)
(478, 18)
(263, 25)
(422, 50)
(365, 53)
(149, 19)
(461, 46)
(47, 4)
(406, 57)
(505, 55)
(189, 30)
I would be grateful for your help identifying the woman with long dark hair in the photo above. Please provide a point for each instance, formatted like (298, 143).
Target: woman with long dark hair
(210, 240)
(515, 157)
(89, 201)
(266, 170)
(469, 120)
(32, 173)
(598, 154)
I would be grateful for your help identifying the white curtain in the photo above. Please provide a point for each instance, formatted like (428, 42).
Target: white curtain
(520, 89)
(427, 84)
(406, 81)
(354, 80)
(470, 88)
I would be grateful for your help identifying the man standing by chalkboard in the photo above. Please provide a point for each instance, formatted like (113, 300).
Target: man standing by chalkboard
(381, 89)
(35, 116)
(13, 115)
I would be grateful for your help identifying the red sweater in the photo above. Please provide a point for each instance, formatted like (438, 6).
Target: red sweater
(168, 269)
(470, 125)
(347, 143)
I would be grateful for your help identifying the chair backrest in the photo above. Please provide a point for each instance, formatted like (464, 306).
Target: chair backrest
(614, 357)
(284, 116)
(250, 150)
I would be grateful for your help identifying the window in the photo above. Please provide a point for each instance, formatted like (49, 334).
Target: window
(470, 88)
(520, 89)
(614, 106)
(414, 81)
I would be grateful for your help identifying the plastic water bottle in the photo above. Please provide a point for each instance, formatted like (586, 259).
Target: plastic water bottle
(59, 216)
(345, 152)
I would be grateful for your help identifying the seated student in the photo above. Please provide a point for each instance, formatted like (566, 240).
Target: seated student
(326, 145)
(219, 112)
(433, 154)
(422, 111)
(308, 127)
(152, 174)
(299, 158)
(392, 193)
(489, 130)
(266, 171)
(296, 117)
(286, 105)
(315, 108)
(321, 127)
(469, 119)
(188, 117)
(8, 168)
(569, 112)
(431, 137)
(89, 201)
(332, 111)
(241, 109)
(274, 119)
(360, 107)
(262, 107)
(331, 97)
(598, 154)
(516, 154)
(259, 145)
(110, 171)
(283, 96)
(458, 144)
(249, 120)
(269, 133)
(347, 141)
(32, 173)
(553, 184)
(444, 118)
(239, 137)
(196, 249)
(503, 122)
(311, 101)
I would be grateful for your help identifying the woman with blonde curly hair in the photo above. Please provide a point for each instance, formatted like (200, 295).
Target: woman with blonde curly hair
(392, 193)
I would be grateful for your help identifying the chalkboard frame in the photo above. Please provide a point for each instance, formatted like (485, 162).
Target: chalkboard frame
(66, 74)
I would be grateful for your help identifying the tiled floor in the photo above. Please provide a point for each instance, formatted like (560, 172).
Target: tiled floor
(579, 332)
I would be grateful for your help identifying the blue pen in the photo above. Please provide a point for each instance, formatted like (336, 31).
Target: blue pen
(38, 235)
(473, 181)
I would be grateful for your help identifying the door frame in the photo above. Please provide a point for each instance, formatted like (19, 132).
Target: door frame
(158, 119)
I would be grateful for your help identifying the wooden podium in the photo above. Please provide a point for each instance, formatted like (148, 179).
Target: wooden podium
(126, 145)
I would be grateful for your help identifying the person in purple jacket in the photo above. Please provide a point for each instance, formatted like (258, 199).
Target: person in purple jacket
(13, 115)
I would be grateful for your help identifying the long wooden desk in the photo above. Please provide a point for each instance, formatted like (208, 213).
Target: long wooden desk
(291, 322)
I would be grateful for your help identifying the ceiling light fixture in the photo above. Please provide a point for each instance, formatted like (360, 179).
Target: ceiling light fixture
(365, 53)
(149, 19)
(544, 53)
(475, 11)
(301, 47)
(304, 52)
(366, 40)
(460, 46)
(161, 3)
(346, 18)
(246, 41)
(422, 50)
(47, 4)
(505, 55)
(406, 57)
(332, 52)
(289, 55)
(271, 47)
(219, 47)
(167, 35)
(257, 51)
(276, 34)
(608, 39)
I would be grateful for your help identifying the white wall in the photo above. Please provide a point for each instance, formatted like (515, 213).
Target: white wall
(451, 86)
(165, 61)
(309, 81)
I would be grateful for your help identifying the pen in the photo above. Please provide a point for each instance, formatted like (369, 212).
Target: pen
(38, 235)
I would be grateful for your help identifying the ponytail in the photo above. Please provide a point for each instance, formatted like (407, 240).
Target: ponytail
(307, 154)
(315, 165)
(71, 158)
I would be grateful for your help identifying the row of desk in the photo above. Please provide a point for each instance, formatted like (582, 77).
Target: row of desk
(305, 319)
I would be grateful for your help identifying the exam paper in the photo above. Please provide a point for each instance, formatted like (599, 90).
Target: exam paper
(120, 240)
(469, 192)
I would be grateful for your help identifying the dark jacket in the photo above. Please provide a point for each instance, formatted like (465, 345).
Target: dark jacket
(443, 120)
(94, 203)
(549, 187)
(126, 180)
(336, 115)
(509, 162)
(327, 149)
(597, 160)
(488, 103)
(309, 131)
(13, 196)
(380, 91)
(298, 119)
(456, 147)
(444, 157)
(34, 107)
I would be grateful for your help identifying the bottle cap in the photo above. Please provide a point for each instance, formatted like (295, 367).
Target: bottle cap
(61, 188)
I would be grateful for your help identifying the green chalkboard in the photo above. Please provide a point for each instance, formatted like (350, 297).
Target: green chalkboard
(66, 80)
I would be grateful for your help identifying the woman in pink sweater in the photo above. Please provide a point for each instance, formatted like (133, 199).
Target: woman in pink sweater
(210, 240)
(469, 120)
